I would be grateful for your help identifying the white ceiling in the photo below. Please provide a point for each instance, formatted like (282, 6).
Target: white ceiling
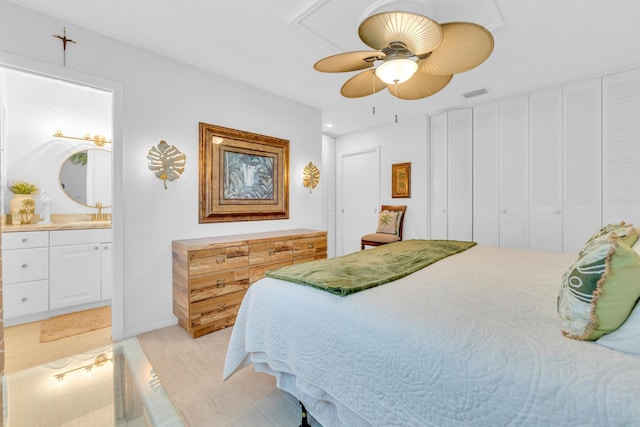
(273, 44)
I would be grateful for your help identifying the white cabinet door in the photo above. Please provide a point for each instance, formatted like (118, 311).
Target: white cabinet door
(438, 176)
(514, 132)
(460, 175)
(545, 170)
(75, 275)
(582, 163)
(107, 273)
(621, 147)
(486, 177)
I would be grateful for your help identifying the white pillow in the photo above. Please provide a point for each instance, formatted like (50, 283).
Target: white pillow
(627, 337)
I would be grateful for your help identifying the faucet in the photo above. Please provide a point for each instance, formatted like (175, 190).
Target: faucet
(98, 216)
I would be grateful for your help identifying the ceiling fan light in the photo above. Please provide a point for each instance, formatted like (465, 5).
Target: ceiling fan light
(396, 70)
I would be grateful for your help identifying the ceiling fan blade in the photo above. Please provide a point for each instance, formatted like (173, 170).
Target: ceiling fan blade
(363, 84)
(350, 61)
(419, 33)
(419, 86)
(464, 46)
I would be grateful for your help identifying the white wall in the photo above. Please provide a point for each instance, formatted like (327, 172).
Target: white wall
(165, 99)
(405, 141)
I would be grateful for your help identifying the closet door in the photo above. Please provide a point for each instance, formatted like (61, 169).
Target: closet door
(438, 176)
(545, 170)
(621, 147)
(460, 175)
(514, 131)
(486, 174)
(582, 163)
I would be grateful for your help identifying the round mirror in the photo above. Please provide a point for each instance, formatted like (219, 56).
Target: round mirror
(86, 177)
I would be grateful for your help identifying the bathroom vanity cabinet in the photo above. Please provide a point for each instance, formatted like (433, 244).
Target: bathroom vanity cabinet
(47, 273)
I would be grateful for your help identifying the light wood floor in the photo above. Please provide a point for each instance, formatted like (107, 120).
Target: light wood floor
(189, 369)
(23, 348)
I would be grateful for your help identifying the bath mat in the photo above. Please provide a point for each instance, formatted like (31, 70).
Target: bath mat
(71, 324)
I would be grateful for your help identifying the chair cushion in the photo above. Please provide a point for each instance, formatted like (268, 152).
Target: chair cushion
(381, 237)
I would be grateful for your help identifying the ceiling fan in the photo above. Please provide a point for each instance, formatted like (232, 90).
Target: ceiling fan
(417, 56)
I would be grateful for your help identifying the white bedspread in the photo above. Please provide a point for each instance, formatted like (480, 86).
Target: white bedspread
(471, 340)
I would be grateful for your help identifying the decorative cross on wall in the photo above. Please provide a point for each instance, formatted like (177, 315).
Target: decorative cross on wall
(65, 40)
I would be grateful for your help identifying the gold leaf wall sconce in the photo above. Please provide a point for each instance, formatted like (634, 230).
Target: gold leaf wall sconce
(310, 176)
(166, 162)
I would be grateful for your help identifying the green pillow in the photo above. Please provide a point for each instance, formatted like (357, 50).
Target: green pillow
(601, 287)
(622, 230)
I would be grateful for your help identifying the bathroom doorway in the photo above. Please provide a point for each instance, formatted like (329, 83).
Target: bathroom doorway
(81, 115)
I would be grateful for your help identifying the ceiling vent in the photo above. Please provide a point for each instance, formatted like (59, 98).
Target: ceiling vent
(475, 93)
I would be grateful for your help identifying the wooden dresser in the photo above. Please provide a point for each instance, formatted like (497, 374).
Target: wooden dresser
(211, 275)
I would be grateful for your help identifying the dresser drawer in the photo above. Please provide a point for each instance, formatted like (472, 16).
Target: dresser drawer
(25, 240)
(257, 272)
(269, 252)
(214, 313)
(226, 258)
(25, 298)
(211, 285)
(25, 265)
(309, 249)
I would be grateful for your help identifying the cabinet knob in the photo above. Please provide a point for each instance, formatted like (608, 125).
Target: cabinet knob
(222, 306)
(25, 240)
(23, 299)
(220, 283)
(96, 248)
(105, 247)
(558, 212)
(503, 210)
(24, 265)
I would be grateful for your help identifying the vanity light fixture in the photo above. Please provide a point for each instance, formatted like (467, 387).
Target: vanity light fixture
(99, 140)
(99, 361)
(310, 176)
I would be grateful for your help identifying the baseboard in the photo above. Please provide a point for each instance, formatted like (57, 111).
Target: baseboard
(148, 328)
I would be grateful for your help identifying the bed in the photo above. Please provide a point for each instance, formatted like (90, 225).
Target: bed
(473, 339)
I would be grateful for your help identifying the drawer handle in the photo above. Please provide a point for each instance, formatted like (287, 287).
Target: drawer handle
(105, 247)
(222, 306)
(220, 259)
(23, 299)
(96, 248)
(220, 283)
(24, 265)
(25, 240)
(272, 251)
(310, 246)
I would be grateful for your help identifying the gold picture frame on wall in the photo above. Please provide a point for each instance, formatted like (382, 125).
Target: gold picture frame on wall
(401, 180)
(243, 176)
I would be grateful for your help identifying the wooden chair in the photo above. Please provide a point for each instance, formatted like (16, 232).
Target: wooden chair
(377, 239)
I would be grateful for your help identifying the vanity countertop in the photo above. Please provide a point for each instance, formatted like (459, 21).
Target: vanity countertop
(80, 225)
(58, 222)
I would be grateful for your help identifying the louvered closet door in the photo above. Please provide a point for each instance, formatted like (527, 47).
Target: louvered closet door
(545, 170)
(621, 147)
(513, 172)
(582, 163)
(486, 174)
(460, 175)
(438, 176)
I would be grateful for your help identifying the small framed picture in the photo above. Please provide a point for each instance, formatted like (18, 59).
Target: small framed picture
(401, 180)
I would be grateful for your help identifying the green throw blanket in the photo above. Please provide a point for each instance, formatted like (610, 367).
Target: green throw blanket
(369, 268)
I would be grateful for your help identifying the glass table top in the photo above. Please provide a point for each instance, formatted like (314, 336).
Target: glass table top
(111, 386)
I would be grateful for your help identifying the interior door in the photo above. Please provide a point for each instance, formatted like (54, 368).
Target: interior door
(514, 141)
(359, 197)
